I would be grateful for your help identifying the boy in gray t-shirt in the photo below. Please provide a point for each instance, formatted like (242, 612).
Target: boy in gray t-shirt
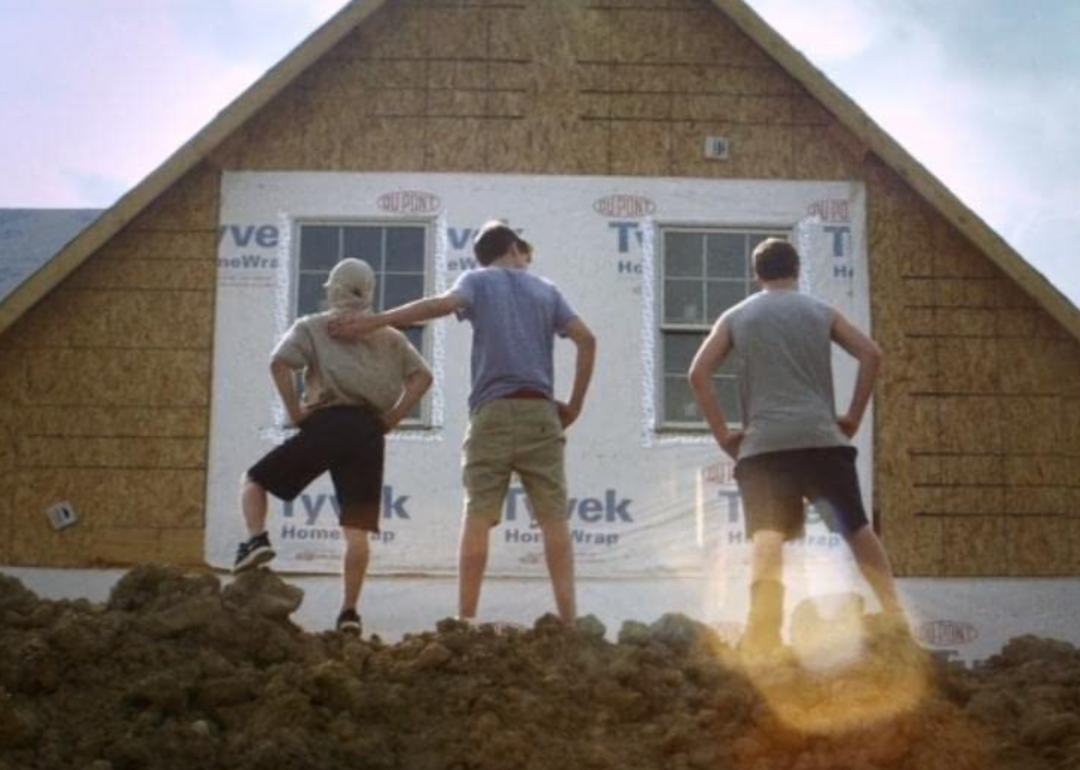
(515, 425)
(793, 446)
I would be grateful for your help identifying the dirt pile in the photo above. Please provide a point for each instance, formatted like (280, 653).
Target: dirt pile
(177, 672)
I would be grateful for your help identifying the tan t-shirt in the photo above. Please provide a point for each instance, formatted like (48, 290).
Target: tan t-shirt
(370, 372)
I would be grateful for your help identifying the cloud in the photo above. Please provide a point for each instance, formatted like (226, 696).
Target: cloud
(106, 91)
(984, 93)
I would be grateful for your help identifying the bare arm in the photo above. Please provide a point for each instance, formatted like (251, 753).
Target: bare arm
(352, 326)
(286, 388)
(708, 359)
(585, 341)
(415, 386)
(868, 354)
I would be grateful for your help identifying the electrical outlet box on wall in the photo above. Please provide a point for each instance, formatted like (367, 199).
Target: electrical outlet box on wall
(717, 147)
(62, 515)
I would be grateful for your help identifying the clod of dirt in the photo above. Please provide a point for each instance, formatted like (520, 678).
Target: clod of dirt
(176, 672)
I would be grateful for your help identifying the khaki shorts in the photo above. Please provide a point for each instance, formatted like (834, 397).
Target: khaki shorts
(514, 435)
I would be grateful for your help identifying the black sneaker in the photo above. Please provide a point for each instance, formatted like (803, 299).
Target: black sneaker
(349, 621)
(253, 553)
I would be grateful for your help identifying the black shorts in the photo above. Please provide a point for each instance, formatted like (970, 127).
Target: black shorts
(349, 442)
(773, 486)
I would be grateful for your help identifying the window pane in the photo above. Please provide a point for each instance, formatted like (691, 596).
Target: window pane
(311, 295)
(679, 350)
(684, 254)
(679, 404)
(405, 249)
(318, 247)
(399, 289)
(684, 302)
(364, 243)
(727, 391)
(727, 255)
(416, 337)
(724, 294)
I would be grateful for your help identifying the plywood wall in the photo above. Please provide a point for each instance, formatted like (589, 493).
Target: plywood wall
(106, 391)
(978, 440)
(978, 410)
(554, 87)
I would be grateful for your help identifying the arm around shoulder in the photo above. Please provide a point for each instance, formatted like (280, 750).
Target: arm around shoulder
(353, 326)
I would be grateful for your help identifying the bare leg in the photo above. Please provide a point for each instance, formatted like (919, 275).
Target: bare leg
(766, 592)
(559, 554)
(253, 503)
(472, 561)
(357, 554)
(766, 558)
(874, 564)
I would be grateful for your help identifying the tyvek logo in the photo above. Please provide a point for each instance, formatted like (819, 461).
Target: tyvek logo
(610, 509)
(311, 506)
(249, 236)
(947, 633)
(623, 206)
(409, 202)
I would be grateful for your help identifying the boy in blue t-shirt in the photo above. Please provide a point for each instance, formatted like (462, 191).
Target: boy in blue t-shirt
(515, 423)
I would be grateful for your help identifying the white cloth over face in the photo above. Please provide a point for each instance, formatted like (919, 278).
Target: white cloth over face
(351, 285)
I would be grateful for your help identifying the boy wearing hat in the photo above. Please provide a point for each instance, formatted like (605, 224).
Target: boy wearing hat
(354, 393)
(515, 424)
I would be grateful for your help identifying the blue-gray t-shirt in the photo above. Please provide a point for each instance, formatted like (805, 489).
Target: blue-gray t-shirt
(515, 317)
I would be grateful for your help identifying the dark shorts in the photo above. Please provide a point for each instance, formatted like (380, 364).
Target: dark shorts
(773, 486)
(348, 441)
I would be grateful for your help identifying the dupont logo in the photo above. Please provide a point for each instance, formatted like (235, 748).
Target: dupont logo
(620, 206)
(831, 210)
(947, 633)
(409, 202)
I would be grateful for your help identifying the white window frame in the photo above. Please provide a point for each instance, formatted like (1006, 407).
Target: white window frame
(664, 327)
(424, 421)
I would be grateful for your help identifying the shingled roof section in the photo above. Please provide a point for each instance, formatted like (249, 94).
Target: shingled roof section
(29, 238)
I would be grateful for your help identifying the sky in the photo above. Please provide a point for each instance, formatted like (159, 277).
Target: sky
(985, 93)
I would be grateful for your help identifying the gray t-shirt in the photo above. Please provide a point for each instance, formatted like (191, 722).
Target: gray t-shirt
(371, 371)
(782, 343)
(515, 318)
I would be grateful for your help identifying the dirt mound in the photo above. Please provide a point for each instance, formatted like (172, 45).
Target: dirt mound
(177, 672)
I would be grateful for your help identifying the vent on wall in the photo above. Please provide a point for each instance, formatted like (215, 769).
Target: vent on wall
(717, 147)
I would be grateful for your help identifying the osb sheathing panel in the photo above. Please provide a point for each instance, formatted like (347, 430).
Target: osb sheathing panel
(111, 422)
(165, 245)
(110, 373)
(560, 87)
(114, 505)
(39, 452)
(977, 450)
(117, 377)
(73, 318)
(7, 482)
